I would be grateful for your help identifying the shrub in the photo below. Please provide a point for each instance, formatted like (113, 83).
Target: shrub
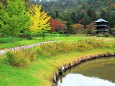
(108, 35)
(100, 35)
(20, 58)
(104, 35)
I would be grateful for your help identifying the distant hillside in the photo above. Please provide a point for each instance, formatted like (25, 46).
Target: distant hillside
(63, 5)
(81, 11)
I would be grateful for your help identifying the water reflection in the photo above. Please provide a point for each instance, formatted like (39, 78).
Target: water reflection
(85, 74)
(81, 80)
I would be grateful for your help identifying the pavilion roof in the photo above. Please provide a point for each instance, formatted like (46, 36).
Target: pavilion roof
(100, 20)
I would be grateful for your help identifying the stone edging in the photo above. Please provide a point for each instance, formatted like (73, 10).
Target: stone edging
(76, 62)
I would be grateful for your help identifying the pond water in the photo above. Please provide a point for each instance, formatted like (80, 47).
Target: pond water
(100, 72)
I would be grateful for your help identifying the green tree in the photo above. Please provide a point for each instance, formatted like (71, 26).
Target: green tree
(57, 14)
(86, 21)
(13, 18)
(73, 17)
(109, 16)
(3, 2)
(92, 14)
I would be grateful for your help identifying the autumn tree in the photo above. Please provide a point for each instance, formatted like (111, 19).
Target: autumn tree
(91, 25)
(77, 28)
(57, 25)
(90, 29)
(13, 18)
(39, 20)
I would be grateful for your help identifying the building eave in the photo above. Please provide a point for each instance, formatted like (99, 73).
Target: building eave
(100, 20)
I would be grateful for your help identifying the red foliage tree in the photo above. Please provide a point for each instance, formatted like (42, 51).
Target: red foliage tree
(56, 25)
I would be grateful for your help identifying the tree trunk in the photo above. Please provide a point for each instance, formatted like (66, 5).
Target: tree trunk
(43, 34)
(12, 38)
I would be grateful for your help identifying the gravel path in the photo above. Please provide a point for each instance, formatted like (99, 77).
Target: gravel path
(2, 52)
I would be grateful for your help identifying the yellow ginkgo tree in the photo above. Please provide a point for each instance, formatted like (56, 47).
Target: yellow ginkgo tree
(39, 20)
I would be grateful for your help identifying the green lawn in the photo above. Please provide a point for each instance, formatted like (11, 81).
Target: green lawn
(37, 40)
(50, 38)
(19, 43)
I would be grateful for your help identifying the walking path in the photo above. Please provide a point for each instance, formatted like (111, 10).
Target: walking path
(2, 52)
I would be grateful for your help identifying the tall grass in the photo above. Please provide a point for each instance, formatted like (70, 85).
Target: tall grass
(22, 58)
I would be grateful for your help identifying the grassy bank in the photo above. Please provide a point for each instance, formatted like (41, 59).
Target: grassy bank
(40, 71)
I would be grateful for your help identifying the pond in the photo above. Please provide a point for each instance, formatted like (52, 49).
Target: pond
(99, 72)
